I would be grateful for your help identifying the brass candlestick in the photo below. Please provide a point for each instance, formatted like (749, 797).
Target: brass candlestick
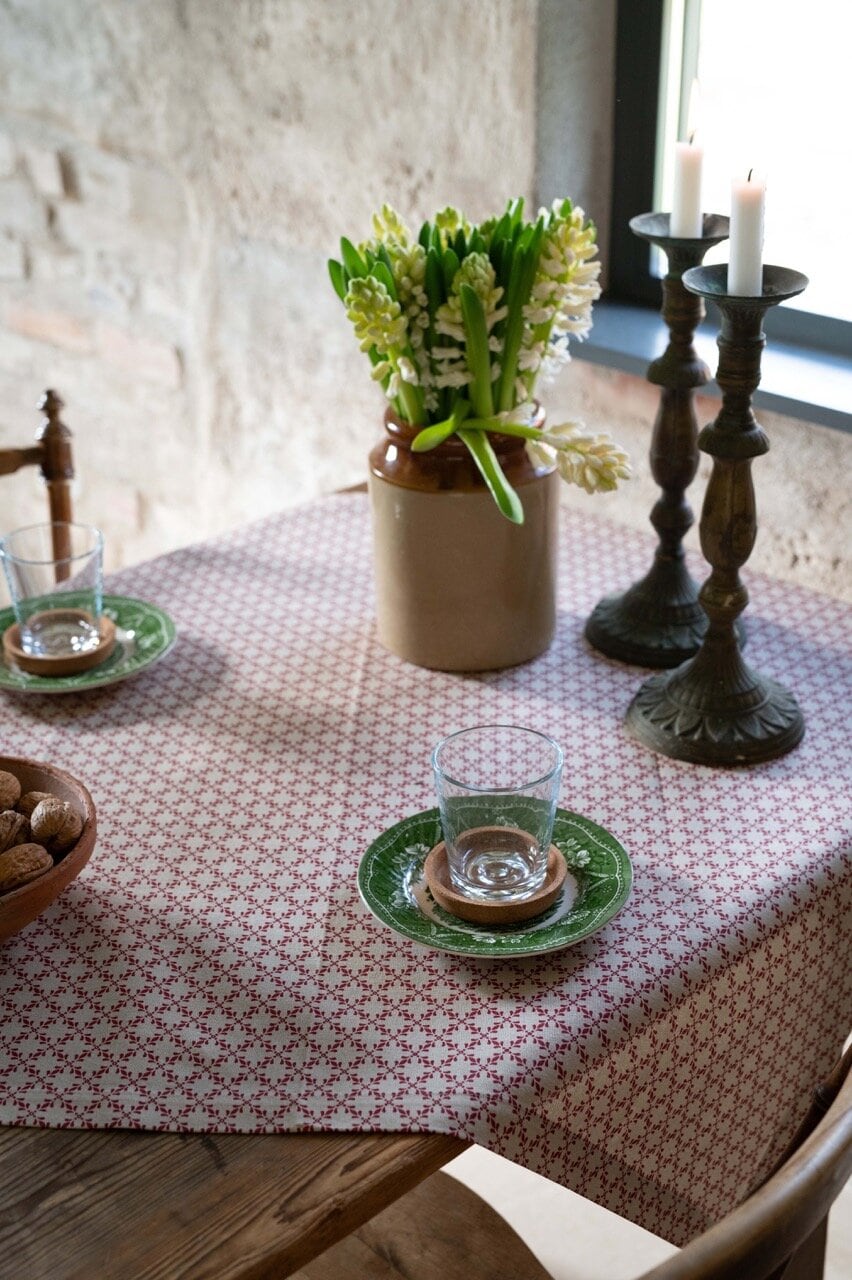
(658, 622)
(714, 709)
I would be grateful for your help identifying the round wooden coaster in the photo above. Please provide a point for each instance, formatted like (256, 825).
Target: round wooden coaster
(58, 665)
(446, 895)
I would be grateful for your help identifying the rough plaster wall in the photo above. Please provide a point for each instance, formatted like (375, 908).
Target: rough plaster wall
(575, 70)
(173, 178)
(804, 508)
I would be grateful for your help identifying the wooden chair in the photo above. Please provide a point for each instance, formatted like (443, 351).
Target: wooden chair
(443, 1231)
(52, 453)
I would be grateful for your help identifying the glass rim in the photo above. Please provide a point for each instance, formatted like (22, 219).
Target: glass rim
(97, 542)
(492, 790)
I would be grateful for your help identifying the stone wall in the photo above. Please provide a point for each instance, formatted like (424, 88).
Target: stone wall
(804, 508)
(173, 177)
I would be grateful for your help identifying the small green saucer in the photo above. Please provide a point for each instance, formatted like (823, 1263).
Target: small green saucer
(144, 634)
(392, 883)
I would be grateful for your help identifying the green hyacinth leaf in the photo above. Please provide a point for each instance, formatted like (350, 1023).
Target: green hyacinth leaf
(516, 210)
(385, 257)
(485, 458)
(352, 259)
(434, 281)
(503, 230)
(338, 278)
(384, 275)
(478, 354)
(431, 437)
(503, 267)
(450, 265)
(524, 265)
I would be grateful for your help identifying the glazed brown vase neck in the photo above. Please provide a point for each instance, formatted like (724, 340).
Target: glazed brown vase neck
(449, 465)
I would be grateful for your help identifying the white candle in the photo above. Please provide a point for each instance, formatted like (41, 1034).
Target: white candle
(745, 268)
(686, 219)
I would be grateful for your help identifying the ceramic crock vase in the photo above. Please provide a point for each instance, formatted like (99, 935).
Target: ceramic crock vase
(458, 586)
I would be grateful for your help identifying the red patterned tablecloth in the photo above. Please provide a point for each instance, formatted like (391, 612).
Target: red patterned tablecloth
(213, 968)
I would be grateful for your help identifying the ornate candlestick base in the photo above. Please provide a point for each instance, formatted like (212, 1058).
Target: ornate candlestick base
(658, 622)
(707, 715)
(714, 709)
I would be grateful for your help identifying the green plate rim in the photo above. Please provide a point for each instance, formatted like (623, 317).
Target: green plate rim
(606, 859)
(118, 607)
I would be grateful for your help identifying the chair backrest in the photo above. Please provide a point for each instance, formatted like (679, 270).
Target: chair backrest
(52, 453)
(772, 1233)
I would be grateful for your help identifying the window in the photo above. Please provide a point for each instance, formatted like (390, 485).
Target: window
(775, 95)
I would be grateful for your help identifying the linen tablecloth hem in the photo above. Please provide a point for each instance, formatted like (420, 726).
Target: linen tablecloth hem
(12, 1120)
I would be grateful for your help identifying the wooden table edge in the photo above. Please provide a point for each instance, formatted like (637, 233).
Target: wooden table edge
(169, 1206)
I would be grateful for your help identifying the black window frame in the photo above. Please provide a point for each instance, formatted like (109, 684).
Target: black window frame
(639, 42)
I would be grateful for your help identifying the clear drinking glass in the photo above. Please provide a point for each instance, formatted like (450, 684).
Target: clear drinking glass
(55, 578)
(497, 788)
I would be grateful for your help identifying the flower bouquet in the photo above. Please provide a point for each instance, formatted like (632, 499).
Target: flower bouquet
(461, 324)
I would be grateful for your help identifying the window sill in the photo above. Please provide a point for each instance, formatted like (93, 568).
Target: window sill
(795, 380)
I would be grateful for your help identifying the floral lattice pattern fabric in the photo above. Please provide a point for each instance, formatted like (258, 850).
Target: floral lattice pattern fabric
(213, 968)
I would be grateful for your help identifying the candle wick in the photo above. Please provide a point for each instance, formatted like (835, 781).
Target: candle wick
(750, 172)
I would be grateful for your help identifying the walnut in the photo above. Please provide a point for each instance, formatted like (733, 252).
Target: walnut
(14, 829)
(55, 824)
(29, 800)
(22, 864)
(10, 790)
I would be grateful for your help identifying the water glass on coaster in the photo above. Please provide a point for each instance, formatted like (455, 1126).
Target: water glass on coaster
(497, 789)
(55, 577)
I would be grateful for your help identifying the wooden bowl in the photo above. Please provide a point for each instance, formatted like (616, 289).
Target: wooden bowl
(21, 906)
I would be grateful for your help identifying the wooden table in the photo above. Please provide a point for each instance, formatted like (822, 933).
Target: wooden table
(93, 1205)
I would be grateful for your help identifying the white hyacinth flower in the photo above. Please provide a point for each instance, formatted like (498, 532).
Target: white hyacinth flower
(594, 462)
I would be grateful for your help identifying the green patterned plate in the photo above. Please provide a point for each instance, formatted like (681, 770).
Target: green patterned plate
(144, 633)
(392, 884)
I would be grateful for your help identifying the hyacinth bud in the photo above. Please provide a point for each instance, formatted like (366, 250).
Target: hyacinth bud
(409, 273)
(477, 271)
(449, 221)
(389, 227)
(375, 315)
